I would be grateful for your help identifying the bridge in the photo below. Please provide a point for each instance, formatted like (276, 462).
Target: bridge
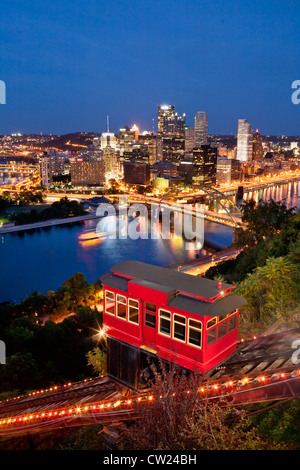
(227, 218)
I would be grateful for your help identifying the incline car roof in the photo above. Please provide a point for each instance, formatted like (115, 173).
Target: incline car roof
(165, 277)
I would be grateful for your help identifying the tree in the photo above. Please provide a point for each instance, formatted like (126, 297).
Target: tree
(21, 373)
(75, 291)
(179, 418)
(263, 219)
(97, 359)
(271, 291)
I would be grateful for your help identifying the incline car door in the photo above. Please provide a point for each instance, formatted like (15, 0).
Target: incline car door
(149, 325)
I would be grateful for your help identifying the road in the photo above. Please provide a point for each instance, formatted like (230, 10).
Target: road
(201, 265)
(48, 223)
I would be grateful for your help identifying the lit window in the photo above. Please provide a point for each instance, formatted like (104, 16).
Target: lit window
(121, 306)
(179, 328)
(195, 333)
(165, 322)
(109, 302)
(133, 311)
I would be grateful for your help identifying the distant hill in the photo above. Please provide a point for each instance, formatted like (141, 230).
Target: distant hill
(72, 142)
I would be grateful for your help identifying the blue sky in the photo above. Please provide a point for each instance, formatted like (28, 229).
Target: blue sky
(67, 64)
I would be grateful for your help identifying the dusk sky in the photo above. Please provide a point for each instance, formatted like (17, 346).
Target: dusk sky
(67, 64)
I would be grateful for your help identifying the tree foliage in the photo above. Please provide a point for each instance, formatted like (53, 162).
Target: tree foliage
(58, 210)
(263, 219)
(97, 359)
(56, 351)
(179, 418)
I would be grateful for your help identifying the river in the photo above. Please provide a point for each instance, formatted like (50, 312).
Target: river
(42, 259)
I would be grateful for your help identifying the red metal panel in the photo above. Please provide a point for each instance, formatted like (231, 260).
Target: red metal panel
(167, 347)
(118, 328)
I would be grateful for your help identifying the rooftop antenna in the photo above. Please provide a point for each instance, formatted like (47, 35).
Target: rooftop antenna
(107, 124)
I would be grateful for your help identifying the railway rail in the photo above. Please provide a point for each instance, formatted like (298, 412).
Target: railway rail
(261, 370)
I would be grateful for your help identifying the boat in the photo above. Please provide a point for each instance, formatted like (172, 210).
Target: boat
(92, 235)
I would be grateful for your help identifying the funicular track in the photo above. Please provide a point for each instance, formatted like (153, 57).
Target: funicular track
(261, 370)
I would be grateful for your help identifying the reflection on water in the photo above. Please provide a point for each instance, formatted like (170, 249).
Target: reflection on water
(43, 259)
(290, 193)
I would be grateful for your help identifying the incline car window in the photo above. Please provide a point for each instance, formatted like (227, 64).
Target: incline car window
(121, 306)
(179, 323)
(133, 311)
(150, 315)
(232, 323)
(165, 322)
(211, 331)
(195, 331)
(109, 302)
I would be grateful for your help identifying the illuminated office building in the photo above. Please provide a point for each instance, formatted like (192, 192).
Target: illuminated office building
(137, 152)
(200, 129)
(46, 171)
(244, 141)
(223, 175)
(136, 173)
(110, 163)
(150, 140)
(171, 131)
(174, 125)
(87, 172)
(164, 111)
(205, 165)
(189, 135)
(257, 149)
(173, 149)
(108, 138)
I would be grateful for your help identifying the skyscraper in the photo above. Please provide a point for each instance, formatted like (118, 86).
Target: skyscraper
(171, 131)
(174, 125)
(164, 110)
(200, 129)
(86, 172)
(257, 151)
(108, 138)
(223, 170)
(46, 171)
(244, 141)
(189, 140)
(205, 165)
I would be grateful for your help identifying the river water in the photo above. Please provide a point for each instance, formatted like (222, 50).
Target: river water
(42, 259)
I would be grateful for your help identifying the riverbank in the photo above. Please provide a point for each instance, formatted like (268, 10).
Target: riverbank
(48, 223)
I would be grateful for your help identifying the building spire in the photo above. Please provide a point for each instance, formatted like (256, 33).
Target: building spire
(107, 124)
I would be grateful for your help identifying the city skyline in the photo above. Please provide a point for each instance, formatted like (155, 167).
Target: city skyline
(66, 66)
